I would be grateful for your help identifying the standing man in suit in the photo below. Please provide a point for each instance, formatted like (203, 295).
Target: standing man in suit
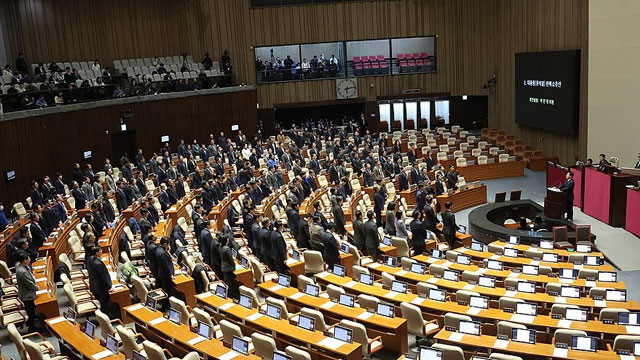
(101, 278)
(304, 235)
(378, 200)
(59, 185)
(27, 288)
(37, 234)
(371, 235)
(359, 235)
(330, 254)
(338, 216)
(121, 198)
(450, 226)
(78, 196)
(165, 268)
(419, 233)
(228, 266)
(367, 176)
(430, 218)
(278, 248)
(567, 189)
(415, 174)
(36, 196)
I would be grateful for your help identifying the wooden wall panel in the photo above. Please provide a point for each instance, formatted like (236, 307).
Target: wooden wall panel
(47, 144)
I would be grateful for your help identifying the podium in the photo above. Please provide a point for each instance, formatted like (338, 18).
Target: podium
(554, 203)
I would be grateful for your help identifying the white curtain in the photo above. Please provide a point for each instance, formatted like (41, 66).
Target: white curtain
(412, 112)
(425, 112)
(398, 114)
(442, 110)
(385, 114)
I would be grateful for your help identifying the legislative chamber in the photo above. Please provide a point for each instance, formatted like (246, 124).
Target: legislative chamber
(319, 180)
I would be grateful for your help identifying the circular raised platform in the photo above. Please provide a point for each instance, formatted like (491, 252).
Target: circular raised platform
(486, 223)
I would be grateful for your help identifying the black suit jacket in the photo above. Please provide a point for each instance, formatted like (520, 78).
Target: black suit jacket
(431, 220)
(338, 219)
(449, 222)
(567, 189)
(121, 200)
(165, 269)
(101, 278)
(418, 232)
(81, 199)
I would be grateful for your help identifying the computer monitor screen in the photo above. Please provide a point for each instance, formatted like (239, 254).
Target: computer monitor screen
(510, 252)
(342, 333)
(527, 287)
(390, 261)
(592, 260)
(568, 273)
(583, 248)
(607, 276)
(570, 291)
(417, 268)
(70, 315)
(616, 295)
(481, 302)
(523, 335)
(295, 254)
(576, 314)
(530, 269)
(346, 300)
(386, 241)
(89, 329)
(366, 279)
(284, 280)
(273, 311)
(344, 248)
(469, 327)
(430, 354)
(306, 322)
(475, 357)
(636, 348)
(463, 259)
(204, 330)
(550, 257)
(514, 240)
(487, 281)
(221, 291)
(111, 344)
(313, 290)
(246, 301)
(462, 229)
(435, 253)
(138, 356)
(87, 154)
(525, 308)
(477, 246)
(387, 310)
(437, 295)
(279, 355)
(494, 265)
(338, 270)
(546, 244)
(175, 316)
(629, 318)
(240, 345)
(150, 303)
(450, 275)
(399, 286)
(164, 138)
(244, 262)
(584, 343)
(11, 175)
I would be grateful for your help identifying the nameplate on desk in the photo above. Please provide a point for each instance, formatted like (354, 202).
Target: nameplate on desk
(565, 281)
(350, 284)
(473, 311)
(331, 343)
(197, 339)
(227, 306)
(61, 319)
(519, 318)
(631, 329)
(565, 324)
(38, 267)
(600, 303)
(456, 337)
(40, 292)
(494, 257)
(323, 274)
(102, 354)
(447, 264)
(41, 279)
(432, 280)
(535, 262)
(374, 265)
(469, 287)
(560, 300)
(254, 316)
(276, 287)
(47, 244)
(432, 260)
(578, 266)
(514, 275)
(328, 305)
(627, 357)
(364, 316)
(228, 356)
(481, 271)
(113, 275)
(401, 272)
(157, 321)
(135, 307)
(291, 261)
(205, 295)
(500, 344)
(590, 284)
(103, 241)
(295, 296)
(560, 352)
(510, 293)
(462, 250)
(392, 294)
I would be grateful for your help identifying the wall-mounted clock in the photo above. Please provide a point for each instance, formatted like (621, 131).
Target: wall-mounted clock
(346, 88)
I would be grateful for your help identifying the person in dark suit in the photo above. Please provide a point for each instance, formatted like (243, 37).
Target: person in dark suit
(430, 219)
(390, 219)
(323, 220)
(567, 189)
(121, 198)
(50, 216)
(403, 183)
(450, 226)
(439, 188)
(227, 267)
(34, 193)
(330, 254)
(215, 255)
(304, 235)
(338, 216)
(59, 185)
(359, 235)
(165, 268)
(419, 233)
(378, 200)
(27, 288)
(371, 235)
(415, 174)
(334, 177)
(367, 176)
(38, 236)
(101, 278)
(278, 249)
(452, 177)
(264, 235)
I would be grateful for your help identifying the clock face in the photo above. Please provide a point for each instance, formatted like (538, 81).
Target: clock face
(346, 89)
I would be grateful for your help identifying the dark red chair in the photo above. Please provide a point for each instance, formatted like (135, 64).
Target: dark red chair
(366, 68)
(384, 68)
(356, 59)
(375, 67)
(358, 69)
(400, 57)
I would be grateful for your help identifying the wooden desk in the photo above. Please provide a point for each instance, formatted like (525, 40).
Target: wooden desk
(46, 302)
(560, 252)
(464, 199)
(497, 292)
(492, 171)
(76, 341)
(393, 331)
(504, 274)
(281, 330)
(178, 337)
(539, 349)
(9, 233)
